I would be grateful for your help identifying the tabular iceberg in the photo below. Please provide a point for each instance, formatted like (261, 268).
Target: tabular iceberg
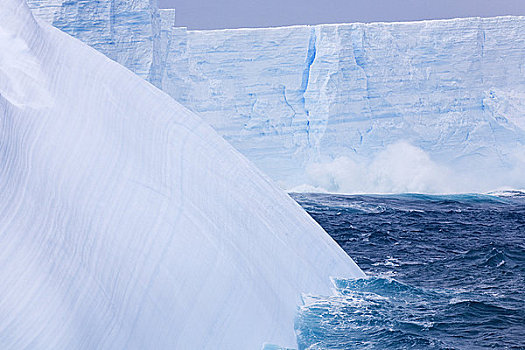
(126, 222)
(431, 106)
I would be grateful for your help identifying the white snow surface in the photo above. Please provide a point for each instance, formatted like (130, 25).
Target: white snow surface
(126, 222)
(323, 106)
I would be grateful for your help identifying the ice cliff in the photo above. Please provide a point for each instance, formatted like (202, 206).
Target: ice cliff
(126, 222)
(431, 106)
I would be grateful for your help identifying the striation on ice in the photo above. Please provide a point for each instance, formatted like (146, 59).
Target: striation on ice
(126, 222)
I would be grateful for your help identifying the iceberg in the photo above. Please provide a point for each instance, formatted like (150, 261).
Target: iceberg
(300, 101)
(127, 222)
(355, 107)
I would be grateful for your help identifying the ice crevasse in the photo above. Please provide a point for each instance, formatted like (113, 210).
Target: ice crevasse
(126, 222)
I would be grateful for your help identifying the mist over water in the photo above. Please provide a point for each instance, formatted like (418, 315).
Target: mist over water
(444, 272)
(404, 168)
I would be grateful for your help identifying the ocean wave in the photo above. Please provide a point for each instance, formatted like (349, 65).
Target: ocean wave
(446, 272)
(383, 313)
(508, 193)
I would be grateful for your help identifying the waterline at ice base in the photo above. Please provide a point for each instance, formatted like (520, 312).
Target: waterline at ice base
(126, 222)
(430, 106)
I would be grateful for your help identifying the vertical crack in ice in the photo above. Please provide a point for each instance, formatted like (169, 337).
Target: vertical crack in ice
(154, 76)
(112, 23)
(310, 58)
(285, 99)
(358, 48)
(481, 42)
(481, 38)
(167, 24)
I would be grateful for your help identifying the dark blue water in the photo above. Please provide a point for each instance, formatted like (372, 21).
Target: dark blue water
(445, 272)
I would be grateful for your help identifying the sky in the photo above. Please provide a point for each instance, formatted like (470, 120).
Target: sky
(218, 14)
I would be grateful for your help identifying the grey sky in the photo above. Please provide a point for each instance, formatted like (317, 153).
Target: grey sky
(213, 14)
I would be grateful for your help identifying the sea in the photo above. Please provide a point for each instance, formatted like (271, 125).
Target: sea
(443, 272)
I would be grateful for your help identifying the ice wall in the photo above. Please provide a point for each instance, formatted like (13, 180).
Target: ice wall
(127, 31)
(126, 222)
(381, 107)
(326, 105)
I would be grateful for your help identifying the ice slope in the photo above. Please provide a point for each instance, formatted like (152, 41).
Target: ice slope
(126, 222)
(431, 106)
